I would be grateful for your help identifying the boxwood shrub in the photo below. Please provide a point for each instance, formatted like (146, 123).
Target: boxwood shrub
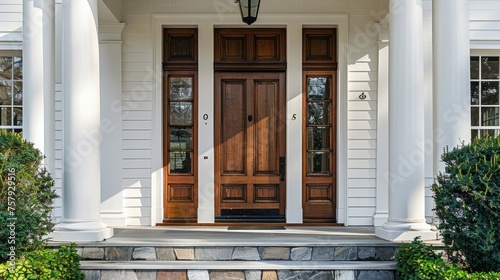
(45, 264)
(26, 197)
(467, 201)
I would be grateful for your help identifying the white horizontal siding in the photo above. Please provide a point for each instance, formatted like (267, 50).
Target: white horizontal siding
(11, 26)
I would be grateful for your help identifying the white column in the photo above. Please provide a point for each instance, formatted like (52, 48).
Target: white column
(38, 74)
(82, 136)
(451, 91)
(406, 125)
(110, 56)
(382, 199)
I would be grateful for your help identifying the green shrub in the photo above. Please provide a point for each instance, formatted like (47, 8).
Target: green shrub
(467, 198)
(45, 264)
(26, 197)
(417, 261)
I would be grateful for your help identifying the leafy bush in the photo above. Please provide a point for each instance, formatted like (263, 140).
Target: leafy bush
(417, 261)
(26, 197)
(45, 264)
(467, 198)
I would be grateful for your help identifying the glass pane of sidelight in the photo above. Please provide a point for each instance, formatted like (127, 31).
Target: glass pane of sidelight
(318, 113)
(181, 88)
(318, 163)
(474, 93)
(181, 113)
(474, 67)
(5, 67)
(489, 67)
(489, 116)
(5, 116)
(474, 116)
(489, 93)
(180, 162)
(181, 138)
(318, 88)
(318, 138)
(5, 93)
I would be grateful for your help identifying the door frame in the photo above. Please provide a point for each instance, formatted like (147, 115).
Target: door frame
(206, 25)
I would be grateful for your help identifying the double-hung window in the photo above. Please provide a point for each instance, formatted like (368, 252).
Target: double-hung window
(485, 99)
(11, 91)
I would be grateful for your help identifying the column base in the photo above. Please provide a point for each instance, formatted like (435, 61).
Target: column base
(79, 236)
(405, 231)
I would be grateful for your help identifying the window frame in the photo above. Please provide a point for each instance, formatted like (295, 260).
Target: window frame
(12, 127)
(478, 130)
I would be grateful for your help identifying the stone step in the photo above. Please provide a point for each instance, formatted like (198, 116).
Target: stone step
(239, 265)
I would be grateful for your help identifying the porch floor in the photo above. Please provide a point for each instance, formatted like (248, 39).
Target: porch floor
(183, 236)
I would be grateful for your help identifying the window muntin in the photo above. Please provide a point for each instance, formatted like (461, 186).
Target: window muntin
(485, 95)
(11, 93)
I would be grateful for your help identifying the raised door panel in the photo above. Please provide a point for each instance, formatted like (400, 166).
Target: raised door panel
(267, 47)
(234, 132)
(266, 127)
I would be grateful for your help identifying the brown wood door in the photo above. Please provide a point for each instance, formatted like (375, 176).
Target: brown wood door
(249, 144)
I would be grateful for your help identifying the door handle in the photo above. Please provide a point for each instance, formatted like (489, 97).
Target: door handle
(282, 169)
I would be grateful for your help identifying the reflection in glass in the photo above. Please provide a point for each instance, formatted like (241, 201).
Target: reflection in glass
(474, 93)
(18, 68)
(181, 138)
(5, 116)
(18, 93)
(318, 88)
(318, 138)
(490, 132)
(489, 67)
(18, 116)
(489, 93)
(489, 116)
(474, 116)
(474, 67)
(181, 88)
(474, 134)
(5, 67)
(318, 113)
(5, 93)
(181, 113)
(180, 162)
(318, 163)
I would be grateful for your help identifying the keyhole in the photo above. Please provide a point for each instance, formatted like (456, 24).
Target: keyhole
(250, 118)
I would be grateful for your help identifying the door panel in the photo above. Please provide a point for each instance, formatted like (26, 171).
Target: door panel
(234, 132)
(249, 140)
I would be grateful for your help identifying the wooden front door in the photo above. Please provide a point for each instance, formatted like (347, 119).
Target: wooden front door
(250, 146)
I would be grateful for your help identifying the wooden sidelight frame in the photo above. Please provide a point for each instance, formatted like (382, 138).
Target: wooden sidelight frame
(180, 120)
(319, 155)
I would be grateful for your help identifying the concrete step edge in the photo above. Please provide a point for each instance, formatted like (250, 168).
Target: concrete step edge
(238, 265)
